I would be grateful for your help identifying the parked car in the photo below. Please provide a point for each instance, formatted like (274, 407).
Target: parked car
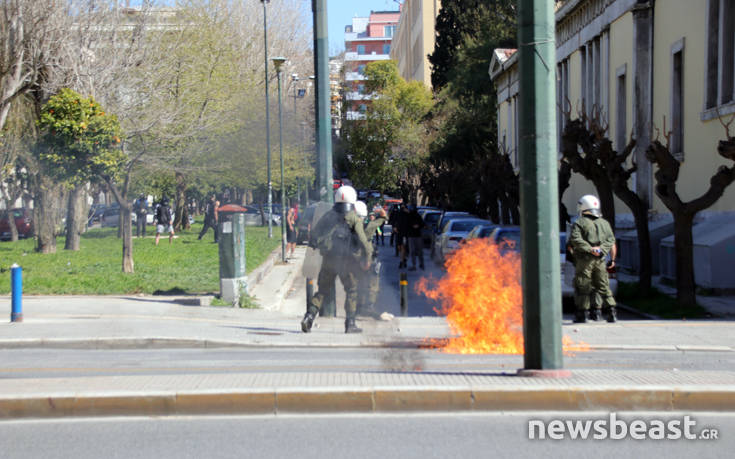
(23, 219)
(480, 231)
(253, 216)
(111, 216)
(441, 222)
(507, 237)
(430, 218)
(452, 233)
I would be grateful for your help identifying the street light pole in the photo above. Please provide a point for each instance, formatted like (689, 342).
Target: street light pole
(278, 62)
(267, 124)
(539, 194)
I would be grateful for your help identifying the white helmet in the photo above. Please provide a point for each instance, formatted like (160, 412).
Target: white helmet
(589, 204)
(345, 194)
(361, 209)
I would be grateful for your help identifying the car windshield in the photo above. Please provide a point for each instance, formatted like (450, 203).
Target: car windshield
(432, 217)
(485, 232)
(464, 225)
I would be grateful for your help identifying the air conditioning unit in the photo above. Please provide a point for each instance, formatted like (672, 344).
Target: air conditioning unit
(714, 252)
(628, 257)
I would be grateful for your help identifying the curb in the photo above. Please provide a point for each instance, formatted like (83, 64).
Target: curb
(376, 400)
(407, 343)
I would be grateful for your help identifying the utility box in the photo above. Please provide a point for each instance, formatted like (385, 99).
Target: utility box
(233, 279)
(628, 256)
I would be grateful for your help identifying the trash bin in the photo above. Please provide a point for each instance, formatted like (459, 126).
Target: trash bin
(233, 280)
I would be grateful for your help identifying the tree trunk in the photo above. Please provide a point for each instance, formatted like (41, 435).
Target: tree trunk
(640, 214)
(607, 200)
(75, 217)
(47, 202)
(11, 220)
(684, 247)
(180, 219)
(127, 236)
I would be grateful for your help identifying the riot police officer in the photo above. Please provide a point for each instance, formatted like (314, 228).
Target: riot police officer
(591, 239)
(340, 237)
(369, 281)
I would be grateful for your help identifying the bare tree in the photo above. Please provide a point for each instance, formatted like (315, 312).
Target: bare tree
(666, 176)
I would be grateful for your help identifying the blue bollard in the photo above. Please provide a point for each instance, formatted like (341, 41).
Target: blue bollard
(16, 285)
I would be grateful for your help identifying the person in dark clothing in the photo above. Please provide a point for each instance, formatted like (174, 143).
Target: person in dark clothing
(164, 221)
(210, 218)
(413, 234)
(140, 207)
(402, 238)
(393, 222)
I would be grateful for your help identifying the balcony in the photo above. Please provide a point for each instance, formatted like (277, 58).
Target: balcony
(354, 76)
(354, 57)
(354, 116)
(356, 95)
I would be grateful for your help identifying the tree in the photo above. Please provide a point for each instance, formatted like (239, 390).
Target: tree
(384, 147)
(459, 20)
(609, 171)
(467, 168)
(80, 142)
(666, 176)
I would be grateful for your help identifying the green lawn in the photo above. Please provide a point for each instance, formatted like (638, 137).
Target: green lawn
(186, 266)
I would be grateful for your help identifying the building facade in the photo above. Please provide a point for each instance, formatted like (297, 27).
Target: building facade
(638, 63)
(415, 39)
(367, 39)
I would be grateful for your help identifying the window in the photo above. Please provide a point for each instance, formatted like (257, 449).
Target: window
(621, 122)
(362, 108)
(388, 31)
(360, 49)
(361, 69)
(677, 99)
(386, 49)
(720, 53)
(361, 89)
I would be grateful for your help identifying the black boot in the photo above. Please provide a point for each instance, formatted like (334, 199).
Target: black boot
(350, 326)
(612, 315)
(307, 321)
(581, 316)
(597, 314)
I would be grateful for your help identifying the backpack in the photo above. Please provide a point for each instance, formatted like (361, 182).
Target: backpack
(337, 240)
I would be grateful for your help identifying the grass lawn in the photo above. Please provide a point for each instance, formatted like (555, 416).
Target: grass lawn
(656, 303)
(186, 266)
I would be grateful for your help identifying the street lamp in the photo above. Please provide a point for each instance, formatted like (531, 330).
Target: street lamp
(278, 63)
(267, 123)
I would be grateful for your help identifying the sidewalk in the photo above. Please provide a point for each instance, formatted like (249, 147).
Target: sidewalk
(166, 322)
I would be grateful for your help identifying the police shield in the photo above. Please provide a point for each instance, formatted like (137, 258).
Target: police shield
(313, 259)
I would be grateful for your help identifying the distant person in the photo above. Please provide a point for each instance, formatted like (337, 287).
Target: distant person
(393, 222)
(402, 237)
(164, 219)
(413, 234)
(211, 218)
(140, 207)
(591, 240)
(291, 231)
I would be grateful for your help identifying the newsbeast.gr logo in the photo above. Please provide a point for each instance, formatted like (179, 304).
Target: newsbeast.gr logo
(619, 429)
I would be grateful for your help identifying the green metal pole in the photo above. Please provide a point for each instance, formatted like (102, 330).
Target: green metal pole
(283, 184)
(539, 195)
(268, 124)
(323, 107)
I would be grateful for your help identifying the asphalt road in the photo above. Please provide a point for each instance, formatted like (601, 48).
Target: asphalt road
(39, 363)
(482, 435)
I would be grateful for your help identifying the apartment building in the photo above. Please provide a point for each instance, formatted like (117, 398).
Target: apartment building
(415, 39)
(367, 39)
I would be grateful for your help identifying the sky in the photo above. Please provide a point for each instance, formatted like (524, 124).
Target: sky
(341, 12)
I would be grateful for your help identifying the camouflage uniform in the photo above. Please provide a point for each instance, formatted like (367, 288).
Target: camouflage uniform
(591, 276)
(369, 281)
(345, 267)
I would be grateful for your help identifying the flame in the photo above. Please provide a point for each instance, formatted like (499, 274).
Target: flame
(482, 298)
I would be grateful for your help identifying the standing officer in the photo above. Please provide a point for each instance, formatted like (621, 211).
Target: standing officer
(591, 240)
(341, 240)
(369, 281)
(140, 207)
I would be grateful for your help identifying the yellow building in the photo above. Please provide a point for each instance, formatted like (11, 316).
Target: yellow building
(414, 39)
(639, 62)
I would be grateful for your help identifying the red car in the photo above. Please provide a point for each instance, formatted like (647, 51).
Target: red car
(23, 221)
